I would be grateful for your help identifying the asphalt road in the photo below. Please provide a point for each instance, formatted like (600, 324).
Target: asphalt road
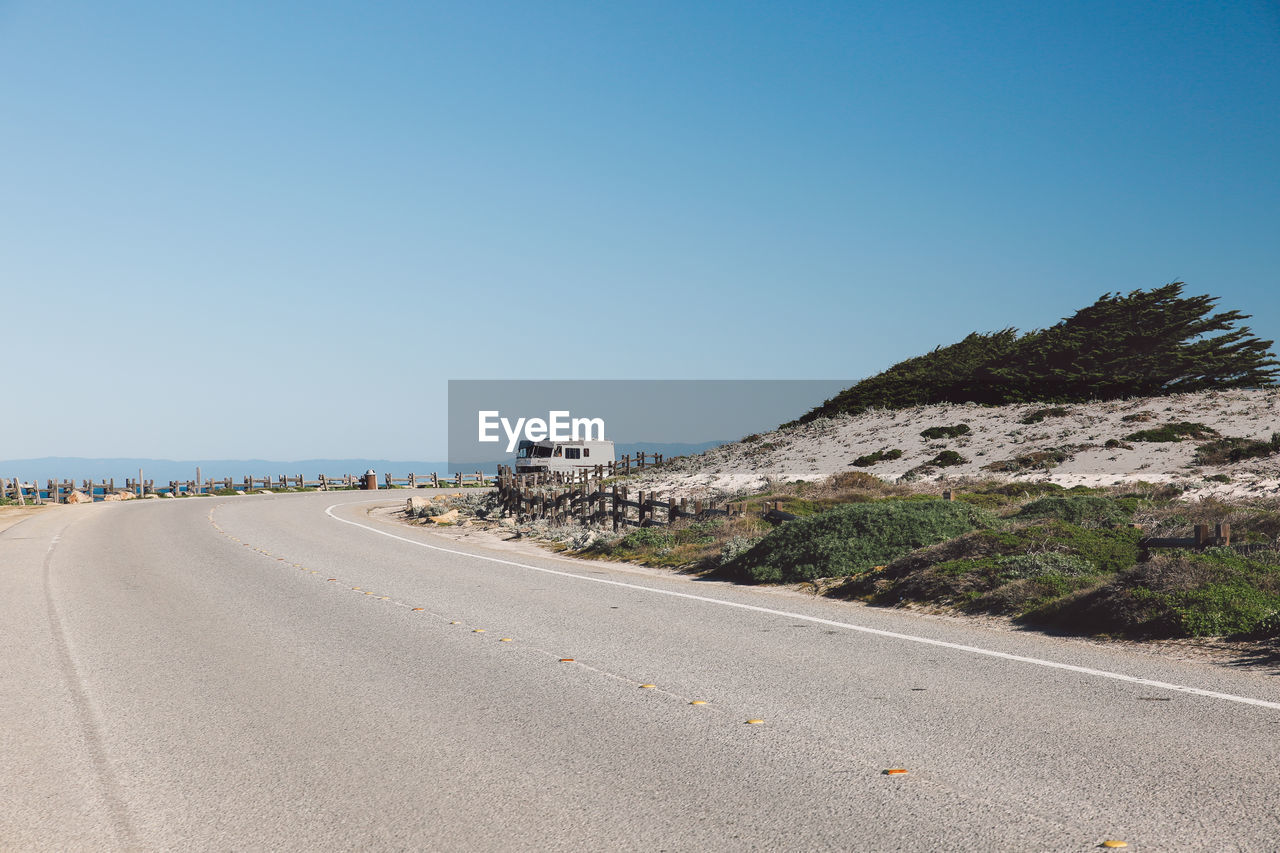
(256, 673)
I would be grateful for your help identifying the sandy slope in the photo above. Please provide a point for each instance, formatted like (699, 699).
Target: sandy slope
(826, 447)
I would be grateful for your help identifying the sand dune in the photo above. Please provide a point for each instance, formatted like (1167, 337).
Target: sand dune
(1067, 449)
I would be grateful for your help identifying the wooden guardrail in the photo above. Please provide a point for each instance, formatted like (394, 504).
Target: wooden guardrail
(586, 498)
(581, 497)
(57, 491)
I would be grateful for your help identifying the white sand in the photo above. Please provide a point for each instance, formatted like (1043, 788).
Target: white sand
(817, 450)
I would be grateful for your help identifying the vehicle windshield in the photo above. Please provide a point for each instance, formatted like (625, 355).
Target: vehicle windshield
(529, 450)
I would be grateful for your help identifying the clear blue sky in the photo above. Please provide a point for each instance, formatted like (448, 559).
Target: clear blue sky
(274, 230)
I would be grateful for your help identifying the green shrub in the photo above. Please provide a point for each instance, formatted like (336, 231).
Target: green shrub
(1218, 478)
(1266, 628)
(1037, 460)
(665, 545)
(853, 538)
(913, 474)
(1082, 509)
(1003, 571)
(1020, 490)
(947, 458)
(870, 459)
(1106, 550)
(1039, 415)
(1228, 450)
(736, 547)
(1173, 432)
(1020, 597)
(934, 433)
(1020, 566)
(646, 538)
(990, 502)
(858, 480)
(1213, 593)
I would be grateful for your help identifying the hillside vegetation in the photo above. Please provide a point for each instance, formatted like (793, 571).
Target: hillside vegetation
(1143, 344)
(1073, 560)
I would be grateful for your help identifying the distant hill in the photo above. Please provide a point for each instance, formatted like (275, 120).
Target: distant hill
(1143, 344)
(163, 470)
(667, 449)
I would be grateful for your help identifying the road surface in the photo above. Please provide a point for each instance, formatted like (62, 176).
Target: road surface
(288, 673)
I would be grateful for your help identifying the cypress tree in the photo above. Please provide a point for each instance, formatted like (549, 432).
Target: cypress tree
(1141, 344)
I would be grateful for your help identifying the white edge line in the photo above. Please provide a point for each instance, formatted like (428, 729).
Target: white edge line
(879, 632)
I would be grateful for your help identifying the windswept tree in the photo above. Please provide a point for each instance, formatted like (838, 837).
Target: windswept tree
(943, 375)
(1144, 343)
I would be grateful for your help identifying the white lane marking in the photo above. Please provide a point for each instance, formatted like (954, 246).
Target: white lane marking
(879, 632)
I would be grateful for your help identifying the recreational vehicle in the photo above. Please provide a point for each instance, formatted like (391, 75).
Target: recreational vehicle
(564, 456)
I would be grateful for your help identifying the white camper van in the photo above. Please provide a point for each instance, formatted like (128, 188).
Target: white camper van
(565, 456)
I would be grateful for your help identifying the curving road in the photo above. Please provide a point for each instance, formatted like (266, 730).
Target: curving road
(288, 673)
